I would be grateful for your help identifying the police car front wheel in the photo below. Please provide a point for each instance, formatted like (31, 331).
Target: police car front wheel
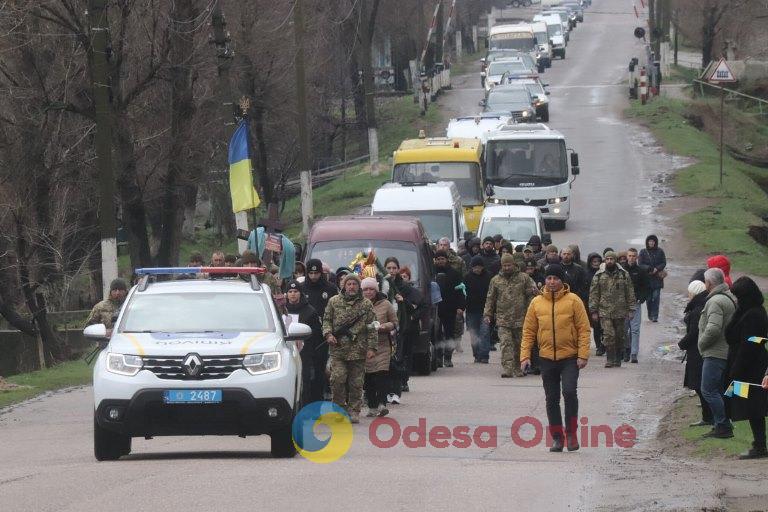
(108, 445)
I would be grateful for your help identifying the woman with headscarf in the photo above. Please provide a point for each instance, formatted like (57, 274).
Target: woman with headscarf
(697, 297)
(750, 361)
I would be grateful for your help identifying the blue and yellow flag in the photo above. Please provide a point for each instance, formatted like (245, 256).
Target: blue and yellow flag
(741, 389)
(244, 195)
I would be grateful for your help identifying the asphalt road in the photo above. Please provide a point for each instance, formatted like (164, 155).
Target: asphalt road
(46, 456)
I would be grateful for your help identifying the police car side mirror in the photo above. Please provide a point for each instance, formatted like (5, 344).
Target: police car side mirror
(96, 331)
(298, 331)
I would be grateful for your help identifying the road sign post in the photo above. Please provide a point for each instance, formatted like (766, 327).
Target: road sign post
(721, 74)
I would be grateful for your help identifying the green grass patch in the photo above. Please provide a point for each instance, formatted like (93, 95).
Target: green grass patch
(680, 74)
(71, 373)
(739, 203)
(708, 448)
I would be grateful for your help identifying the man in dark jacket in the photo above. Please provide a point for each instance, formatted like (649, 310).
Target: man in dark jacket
(318, 291)
(642, 284)
(301, 311)
(477, 281)
(473, 249)
(574, 274)
(654, 258)
(451, 307)
(490, 257)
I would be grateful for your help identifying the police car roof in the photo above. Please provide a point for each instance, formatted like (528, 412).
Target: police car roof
(207, 285)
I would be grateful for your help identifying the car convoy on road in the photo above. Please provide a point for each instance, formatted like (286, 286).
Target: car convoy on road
(172, 366)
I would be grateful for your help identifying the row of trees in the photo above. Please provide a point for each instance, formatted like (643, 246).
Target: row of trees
(711, 24)
(168, 89)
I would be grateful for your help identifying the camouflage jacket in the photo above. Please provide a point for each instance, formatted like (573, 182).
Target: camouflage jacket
(508, 298)
(103, 312)
(358, 339)
(611, 294)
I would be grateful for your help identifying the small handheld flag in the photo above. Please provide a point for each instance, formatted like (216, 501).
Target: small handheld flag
(244, 196)
(757, 339)
(729, 391)
(741, 389)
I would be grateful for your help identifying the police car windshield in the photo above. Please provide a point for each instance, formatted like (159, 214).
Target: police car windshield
(197, 312)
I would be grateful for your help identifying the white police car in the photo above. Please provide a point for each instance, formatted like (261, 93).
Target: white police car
(196, 357)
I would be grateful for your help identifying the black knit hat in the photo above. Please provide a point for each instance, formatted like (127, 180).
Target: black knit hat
(477, 261)
(314, 265)
(554, 270)
(294, 285)
(441, 254)
(488, 239)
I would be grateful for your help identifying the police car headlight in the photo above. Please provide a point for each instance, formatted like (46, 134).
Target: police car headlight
(257, 364)
(123, 364)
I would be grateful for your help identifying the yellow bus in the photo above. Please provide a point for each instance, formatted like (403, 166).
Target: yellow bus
(429, 160)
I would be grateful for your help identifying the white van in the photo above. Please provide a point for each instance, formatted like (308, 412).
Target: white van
(476, 127)
(517, 224)
(437, 205)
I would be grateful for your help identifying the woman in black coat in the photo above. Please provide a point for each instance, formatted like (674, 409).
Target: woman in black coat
(693, 362)
(750, 361)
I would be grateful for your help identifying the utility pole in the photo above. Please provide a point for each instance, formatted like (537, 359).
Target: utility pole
(97, 14)
(224, 54)
(368, 24)
(301, 119)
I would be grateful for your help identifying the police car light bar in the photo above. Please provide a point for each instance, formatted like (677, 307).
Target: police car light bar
(199, 270)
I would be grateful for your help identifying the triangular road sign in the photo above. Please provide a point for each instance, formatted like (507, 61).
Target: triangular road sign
(722, 73)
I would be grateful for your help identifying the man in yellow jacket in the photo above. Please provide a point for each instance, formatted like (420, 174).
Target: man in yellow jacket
(557, 322)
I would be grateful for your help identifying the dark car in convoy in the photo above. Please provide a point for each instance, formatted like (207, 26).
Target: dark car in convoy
(512, 101)
(337, 241)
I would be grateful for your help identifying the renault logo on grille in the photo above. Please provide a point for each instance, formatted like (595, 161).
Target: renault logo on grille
(193, 365)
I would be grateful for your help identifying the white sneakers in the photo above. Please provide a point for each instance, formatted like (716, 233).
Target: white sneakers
(393, 398)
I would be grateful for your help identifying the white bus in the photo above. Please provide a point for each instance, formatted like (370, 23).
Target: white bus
(527, 164)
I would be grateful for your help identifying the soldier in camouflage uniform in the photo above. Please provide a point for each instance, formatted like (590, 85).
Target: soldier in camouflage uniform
(106, 310)
(345, 328)
(612, 302)
(509, 294)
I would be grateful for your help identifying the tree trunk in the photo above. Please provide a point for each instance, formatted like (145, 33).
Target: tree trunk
(182, 116)
(133, 213)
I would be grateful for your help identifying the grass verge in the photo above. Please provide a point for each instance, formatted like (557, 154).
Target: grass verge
(740, 201)
(71, 373)
(679, 437)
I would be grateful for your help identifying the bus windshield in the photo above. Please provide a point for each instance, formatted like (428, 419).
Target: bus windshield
(536, 163)
(466, 175)
(523, 41)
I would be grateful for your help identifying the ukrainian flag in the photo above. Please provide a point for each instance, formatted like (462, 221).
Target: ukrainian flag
(741, 389)
(244, 196)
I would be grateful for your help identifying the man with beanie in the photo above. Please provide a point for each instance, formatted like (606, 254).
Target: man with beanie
(477, 282)
(490, 256)
(346, 329)
(557, 323)
(551, 255)
(106, 311)
(535, 244)
(612, 303)
(509, 294)
(449, 309)
(301, 311)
